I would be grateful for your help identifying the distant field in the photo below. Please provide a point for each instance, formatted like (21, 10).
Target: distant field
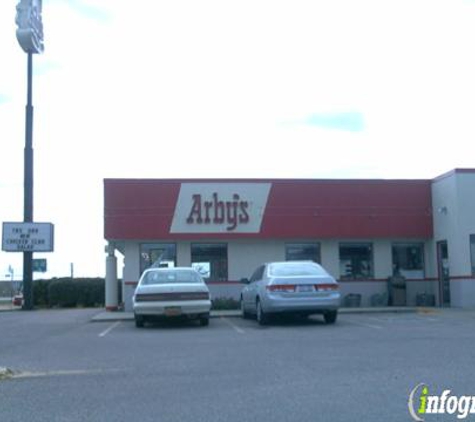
(8, 289)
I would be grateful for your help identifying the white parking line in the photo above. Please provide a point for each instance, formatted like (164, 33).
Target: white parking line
(431, 319)
(28, 374)
(108, 330)
(362, 324)
(227, 321)
(383, 319)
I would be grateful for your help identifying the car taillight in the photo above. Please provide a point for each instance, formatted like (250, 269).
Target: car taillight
(326, 287)
(281, 288)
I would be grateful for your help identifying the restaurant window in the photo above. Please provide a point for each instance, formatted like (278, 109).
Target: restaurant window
(258, 274)
(408, 260)
(472, 252)
(157, 255)
(302, 252)
(356, 260)
(210, 260)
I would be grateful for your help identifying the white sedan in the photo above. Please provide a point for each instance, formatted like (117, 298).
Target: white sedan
(171, 292)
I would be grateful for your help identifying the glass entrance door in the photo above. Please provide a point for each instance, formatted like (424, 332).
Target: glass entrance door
(443, 269)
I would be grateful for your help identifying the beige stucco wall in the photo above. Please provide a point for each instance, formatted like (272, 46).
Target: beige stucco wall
(244, 256)
(131, 261)
(131, 272)
(183, 254)
(453, 207)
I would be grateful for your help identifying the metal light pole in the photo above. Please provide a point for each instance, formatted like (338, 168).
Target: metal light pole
(28, 187)
(30, 38)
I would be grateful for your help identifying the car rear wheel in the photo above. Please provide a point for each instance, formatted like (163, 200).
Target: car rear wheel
(261, 316)
(330, 317)
(139, 321)
(204, 321)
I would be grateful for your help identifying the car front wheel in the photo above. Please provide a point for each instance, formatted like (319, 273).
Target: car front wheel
(330, 317)
(261, 316)
(204, 321)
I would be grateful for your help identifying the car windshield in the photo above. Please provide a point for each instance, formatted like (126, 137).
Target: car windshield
(296, 269)
(175, 276)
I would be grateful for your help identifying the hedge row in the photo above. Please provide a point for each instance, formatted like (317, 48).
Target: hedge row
(69, 293)
(224, 303)
(89, 292)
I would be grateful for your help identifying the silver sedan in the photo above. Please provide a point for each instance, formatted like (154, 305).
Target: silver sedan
(298, 287)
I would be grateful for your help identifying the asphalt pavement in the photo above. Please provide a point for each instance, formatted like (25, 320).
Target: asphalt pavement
(59, 366)
(103, 316)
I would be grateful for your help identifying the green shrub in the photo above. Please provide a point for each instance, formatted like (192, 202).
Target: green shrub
(91, 292)
(63, 293)
(224, 303)
(66, 292)
(40, 292)
(70, 293)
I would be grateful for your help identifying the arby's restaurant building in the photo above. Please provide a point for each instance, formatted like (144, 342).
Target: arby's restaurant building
(362, 231)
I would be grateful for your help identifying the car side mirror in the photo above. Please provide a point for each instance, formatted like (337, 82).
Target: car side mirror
(245, 281)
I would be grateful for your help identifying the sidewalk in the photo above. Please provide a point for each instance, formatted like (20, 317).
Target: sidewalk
(129, 316)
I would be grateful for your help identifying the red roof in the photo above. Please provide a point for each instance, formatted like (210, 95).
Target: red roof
(143, 209)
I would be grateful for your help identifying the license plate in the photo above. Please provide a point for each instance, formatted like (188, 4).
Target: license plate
(305, 289)
(173, 311)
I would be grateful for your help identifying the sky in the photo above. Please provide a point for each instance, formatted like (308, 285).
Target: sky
(220, 88)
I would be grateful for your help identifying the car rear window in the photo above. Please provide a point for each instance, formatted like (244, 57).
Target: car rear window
(297, 269)
(176, 276)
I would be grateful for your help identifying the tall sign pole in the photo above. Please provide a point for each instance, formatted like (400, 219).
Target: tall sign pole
(30, 37)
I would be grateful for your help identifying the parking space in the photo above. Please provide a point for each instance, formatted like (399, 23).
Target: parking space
(360, 368)
(18, 326)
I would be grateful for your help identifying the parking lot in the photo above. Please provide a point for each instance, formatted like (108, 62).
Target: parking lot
(67, 368)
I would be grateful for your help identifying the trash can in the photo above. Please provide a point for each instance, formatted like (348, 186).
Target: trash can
(397, 290)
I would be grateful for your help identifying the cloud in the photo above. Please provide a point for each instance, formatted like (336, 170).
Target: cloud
(346, 121)
(3, 98)
(42, 67)
(89, 10)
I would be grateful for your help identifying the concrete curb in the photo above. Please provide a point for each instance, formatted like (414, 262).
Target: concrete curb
(129, 316)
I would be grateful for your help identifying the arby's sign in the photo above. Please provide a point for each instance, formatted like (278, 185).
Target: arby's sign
(220, 207)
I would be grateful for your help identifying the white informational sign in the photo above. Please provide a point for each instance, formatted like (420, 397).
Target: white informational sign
(28, 237)
(220, 207)
(30, 26)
